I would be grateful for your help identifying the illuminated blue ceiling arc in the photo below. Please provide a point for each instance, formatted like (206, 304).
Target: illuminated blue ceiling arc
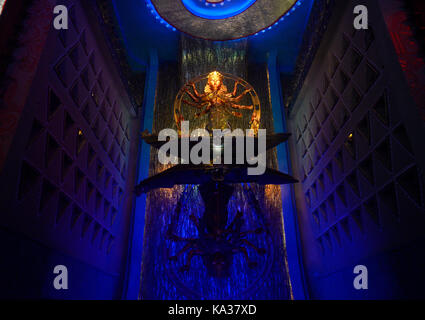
(143, 33)
(220, 10)
(226, 9)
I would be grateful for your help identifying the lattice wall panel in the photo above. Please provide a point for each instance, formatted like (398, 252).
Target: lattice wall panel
(72, 175)
(360, 174)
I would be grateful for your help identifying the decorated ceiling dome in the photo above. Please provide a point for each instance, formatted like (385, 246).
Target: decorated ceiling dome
(217, 9)
(222, 19)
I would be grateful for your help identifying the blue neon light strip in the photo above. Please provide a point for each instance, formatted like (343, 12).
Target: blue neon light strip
(152, 9)
(222, 10)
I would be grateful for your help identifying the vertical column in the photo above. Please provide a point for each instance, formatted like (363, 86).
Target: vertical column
(138, 220)
(290, 222)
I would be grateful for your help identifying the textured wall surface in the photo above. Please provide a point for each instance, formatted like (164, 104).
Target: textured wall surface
(405, 23)
(161, 278)
(357, 150)
(66, 170)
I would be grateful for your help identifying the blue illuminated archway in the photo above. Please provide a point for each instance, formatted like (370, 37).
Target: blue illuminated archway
(220, 10)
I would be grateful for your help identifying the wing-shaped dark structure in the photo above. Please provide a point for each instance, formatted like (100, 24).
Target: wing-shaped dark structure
(272, 140)
(199, 174)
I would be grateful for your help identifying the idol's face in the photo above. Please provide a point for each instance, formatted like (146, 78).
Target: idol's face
(215, 84)
(214, 80)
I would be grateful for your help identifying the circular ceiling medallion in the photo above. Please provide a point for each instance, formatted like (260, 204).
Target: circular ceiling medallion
(223, 20)
(217, 9)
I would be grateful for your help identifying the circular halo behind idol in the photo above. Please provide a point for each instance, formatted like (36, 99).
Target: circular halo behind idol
(184, 112)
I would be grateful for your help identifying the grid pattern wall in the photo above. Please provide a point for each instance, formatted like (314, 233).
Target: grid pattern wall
(358, 169)
(73, 172)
